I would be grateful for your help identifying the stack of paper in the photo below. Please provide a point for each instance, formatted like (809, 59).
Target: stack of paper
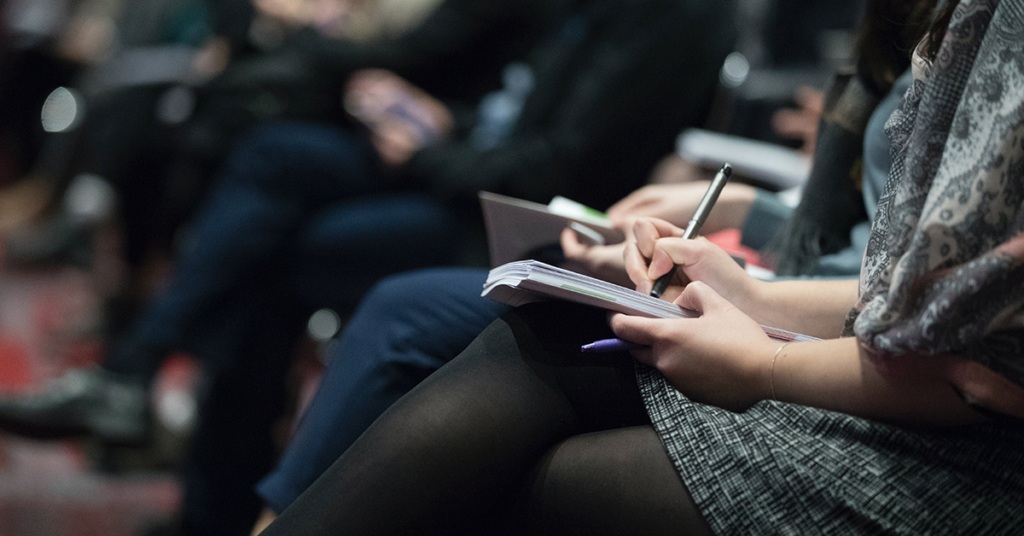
(521, 282)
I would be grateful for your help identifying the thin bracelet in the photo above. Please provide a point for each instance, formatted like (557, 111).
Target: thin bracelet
(771, 377)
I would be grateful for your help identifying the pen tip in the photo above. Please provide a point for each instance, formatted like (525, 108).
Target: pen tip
(727, 169)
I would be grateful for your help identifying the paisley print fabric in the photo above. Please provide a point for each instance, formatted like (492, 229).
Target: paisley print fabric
(944, 269)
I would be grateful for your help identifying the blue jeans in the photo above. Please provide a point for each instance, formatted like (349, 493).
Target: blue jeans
(293, 197)
(407, 327)
(300, 219)
(247, 353)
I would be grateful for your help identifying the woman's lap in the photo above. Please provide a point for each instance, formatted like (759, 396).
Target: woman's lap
(455, 445)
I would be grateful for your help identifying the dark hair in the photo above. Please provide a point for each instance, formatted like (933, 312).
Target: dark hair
(933, 40)
(888, 35)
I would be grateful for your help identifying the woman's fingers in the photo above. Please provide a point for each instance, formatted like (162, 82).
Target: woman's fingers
(647, 231)
(696, 296)
(644, 331)
(688, 254)
(699, 297)
(661, 264)
(636, 268)
(636, 329)
(669, 253)
(642, 264)
(571, 246)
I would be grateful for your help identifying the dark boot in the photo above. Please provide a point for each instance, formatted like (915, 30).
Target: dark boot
(82, 402)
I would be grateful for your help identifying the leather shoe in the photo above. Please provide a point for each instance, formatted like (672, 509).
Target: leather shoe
(82, 402)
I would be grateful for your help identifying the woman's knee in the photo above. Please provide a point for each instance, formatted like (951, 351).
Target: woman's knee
(611, 482)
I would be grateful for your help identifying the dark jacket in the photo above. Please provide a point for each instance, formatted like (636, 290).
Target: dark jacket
(456, 54)
(616, 80)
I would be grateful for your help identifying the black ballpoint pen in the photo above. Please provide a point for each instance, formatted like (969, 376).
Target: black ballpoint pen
(701, 214)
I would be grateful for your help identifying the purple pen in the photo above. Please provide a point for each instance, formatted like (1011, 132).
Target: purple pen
(609, 345)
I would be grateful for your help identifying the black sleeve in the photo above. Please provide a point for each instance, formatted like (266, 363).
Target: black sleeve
(457, 52)
(651, 72)
(231, 20)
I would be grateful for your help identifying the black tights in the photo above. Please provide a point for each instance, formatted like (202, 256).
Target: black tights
(519, 434)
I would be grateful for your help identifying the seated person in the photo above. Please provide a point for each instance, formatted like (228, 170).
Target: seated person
(410, 325)
(297, 219)
(911, 423)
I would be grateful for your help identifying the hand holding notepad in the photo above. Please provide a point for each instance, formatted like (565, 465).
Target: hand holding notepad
(522, 282)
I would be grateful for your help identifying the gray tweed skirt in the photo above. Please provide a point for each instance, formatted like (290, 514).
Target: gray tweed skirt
(781, 468)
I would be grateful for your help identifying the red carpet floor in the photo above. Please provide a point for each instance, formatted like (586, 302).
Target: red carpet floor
(51, 488)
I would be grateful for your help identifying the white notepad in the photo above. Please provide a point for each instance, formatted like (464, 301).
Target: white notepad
(521, 282)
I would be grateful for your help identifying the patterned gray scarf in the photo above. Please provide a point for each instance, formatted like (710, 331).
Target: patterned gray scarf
(944, 269)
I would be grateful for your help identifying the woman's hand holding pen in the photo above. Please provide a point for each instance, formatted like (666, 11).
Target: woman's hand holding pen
(656, 247)
(720, 358)
(690, 202)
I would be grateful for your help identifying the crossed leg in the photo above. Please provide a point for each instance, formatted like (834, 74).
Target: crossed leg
(520, 433)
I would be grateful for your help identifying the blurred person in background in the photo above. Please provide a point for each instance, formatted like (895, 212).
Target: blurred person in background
(303, 211)
(217, 501)
(147, 129)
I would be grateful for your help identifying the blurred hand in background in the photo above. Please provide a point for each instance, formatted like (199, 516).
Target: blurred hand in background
(401, 118)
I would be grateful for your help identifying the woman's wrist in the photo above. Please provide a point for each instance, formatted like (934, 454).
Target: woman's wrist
(761, 372)
(771, 371)
(752, 298)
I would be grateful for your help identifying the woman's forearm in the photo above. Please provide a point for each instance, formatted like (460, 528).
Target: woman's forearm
(816, 308)
(839, 375)
(723, 358)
